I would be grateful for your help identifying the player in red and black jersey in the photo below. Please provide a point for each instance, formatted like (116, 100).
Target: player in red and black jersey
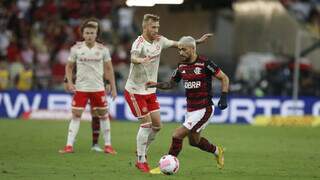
(197, 74)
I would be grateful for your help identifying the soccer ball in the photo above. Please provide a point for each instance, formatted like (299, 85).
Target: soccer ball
(169, 164)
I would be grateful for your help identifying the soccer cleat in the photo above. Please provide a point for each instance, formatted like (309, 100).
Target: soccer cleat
(220, 157)
(143, 167)
(155, 171)
(66, 149)
(96, 148)
(109, 150)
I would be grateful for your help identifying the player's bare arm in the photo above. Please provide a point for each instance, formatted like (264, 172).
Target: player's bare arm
(69, 74)
(109, 75)
(222, 104)
(224, 81)
(162, 85)
(203, 39)
(135, 59)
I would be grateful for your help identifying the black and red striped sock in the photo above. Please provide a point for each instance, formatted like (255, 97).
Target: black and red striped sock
(95, 125)
(205, 145)
(176, 146)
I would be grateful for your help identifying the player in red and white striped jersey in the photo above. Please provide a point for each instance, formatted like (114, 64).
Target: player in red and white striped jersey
(197, 73)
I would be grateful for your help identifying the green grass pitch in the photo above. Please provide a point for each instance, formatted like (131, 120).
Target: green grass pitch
(29, 150)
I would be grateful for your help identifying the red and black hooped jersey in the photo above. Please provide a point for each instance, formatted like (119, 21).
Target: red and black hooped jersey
(197, 81)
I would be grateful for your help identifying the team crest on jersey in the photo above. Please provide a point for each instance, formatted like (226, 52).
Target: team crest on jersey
(197, 70)
(183, 72)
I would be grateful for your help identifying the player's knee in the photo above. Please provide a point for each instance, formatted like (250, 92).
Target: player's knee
(101, 112)
(193, 143)
(76, 113)
(177, 135)
(156, 128)
(94, 113)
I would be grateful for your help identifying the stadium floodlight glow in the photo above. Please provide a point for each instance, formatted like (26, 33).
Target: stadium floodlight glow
(168, 1)
(148, 3)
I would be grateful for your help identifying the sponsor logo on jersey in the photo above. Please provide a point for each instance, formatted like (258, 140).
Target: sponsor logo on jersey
(197, 70)
(192, 84)
(211, 69)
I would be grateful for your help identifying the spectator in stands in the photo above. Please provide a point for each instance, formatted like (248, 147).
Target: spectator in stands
(4, 74)
(23, 81)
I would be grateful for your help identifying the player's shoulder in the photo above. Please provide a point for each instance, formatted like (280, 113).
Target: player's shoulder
(160, 38)
(77, 45)
(138, 42)
(101, 46)
(139, 39)
(203, 59)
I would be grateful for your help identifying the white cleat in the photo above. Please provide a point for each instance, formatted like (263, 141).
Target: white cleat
(96, 148)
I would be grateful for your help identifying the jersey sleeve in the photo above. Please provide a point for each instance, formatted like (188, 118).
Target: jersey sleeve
(165, 43)
(137, 46)
(212, 68)
(176, 75)
(73, 55)
(106, 55)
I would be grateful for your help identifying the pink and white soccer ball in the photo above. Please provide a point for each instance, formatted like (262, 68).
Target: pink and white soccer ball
(169, 164)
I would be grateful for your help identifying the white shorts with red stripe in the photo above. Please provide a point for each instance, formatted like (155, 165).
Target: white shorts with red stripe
(197, 120)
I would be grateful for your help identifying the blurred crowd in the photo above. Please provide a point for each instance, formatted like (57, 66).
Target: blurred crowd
(270, 74)
(35, 37)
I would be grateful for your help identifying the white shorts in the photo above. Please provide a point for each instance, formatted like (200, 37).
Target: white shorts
(197, 120)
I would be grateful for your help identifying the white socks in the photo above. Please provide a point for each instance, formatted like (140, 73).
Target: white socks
(142, 141)
(73, 131)
(105, 127)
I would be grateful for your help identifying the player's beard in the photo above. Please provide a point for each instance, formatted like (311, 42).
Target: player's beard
(185, 58)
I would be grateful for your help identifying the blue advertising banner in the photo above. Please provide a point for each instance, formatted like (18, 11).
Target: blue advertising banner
(240, 109)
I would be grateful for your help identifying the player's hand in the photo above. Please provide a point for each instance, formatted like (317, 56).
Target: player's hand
(222, 104)
(71, 87)
(151, 84)
(114, 94)
(146, 59)
(65, 87)
(204, 37)
(108, 88)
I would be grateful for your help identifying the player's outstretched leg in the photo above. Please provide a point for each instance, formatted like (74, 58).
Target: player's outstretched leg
(95, 125)
(142, 139)
(73, 129)
(105, 126)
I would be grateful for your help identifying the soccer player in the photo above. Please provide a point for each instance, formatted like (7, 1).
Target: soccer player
(93, 63)
(95, 122)
(196, 72)
(145, 57)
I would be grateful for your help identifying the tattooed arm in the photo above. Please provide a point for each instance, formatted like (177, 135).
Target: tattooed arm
(162, 85)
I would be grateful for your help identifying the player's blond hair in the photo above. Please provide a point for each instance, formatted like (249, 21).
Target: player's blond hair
(187, 41)
(148, 17)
